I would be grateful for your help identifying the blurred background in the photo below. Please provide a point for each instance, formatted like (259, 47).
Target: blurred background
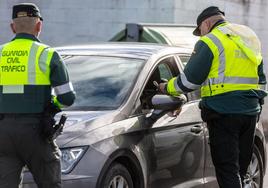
(83, 21)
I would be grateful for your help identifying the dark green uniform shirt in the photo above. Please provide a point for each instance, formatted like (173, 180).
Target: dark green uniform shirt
(237, 102)
(36, 97)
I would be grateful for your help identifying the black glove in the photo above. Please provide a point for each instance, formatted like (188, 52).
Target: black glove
(58, 128)
(47, 122)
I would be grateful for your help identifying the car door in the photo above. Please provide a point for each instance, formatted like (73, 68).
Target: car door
(177, 142)
(209, 171)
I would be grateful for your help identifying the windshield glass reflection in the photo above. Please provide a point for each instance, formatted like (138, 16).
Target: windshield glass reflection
(101, 83)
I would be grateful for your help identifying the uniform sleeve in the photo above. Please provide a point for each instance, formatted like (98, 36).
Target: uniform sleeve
(195, 72)
(59, 78)
(261, 73)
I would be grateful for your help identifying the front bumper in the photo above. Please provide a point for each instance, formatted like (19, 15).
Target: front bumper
(68, 181)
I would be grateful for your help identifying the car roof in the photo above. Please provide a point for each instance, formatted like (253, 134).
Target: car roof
(122, 49)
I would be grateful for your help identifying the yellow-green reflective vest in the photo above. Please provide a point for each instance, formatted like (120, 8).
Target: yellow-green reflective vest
(233, 67)
(24, 62)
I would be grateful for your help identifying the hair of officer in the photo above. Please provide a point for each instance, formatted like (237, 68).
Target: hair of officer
(25, 24)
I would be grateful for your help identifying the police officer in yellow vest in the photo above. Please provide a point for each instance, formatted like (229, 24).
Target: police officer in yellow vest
(28, 71)
(227, 64)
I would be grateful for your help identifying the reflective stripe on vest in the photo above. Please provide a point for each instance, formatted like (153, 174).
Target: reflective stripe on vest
(218, 82)
(43, 59)
(31, 64)
(230, 80)
(19, 65)
(222, 59)
(44, 66)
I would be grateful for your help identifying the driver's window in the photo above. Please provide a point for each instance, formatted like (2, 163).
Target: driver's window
(165, 72)
(160, 74)
(184, 59)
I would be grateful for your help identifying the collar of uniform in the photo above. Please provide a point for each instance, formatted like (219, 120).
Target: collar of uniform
(217, 24)
(26, 36)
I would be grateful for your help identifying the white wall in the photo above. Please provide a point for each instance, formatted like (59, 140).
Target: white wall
(82, 21)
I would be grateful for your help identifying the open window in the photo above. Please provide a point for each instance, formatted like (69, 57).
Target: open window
(164, 71)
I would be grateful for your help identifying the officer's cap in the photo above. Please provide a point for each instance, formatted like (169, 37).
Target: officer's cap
(26, 10)
(208, 12)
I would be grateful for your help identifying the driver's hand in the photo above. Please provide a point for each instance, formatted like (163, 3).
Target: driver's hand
(175, 113)
(162, 87)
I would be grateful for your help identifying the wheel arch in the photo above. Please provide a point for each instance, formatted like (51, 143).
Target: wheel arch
(130, 161)
(259, 143)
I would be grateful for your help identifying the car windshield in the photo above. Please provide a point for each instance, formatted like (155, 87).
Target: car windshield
(101, 82)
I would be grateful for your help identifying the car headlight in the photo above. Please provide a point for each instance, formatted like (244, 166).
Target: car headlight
(70, 157)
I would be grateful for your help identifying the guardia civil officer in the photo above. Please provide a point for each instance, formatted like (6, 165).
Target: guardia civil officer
(28, 71)
(227, 64)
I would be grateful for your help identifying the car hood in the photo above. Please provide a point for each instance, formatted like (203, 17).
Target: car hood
(79, 123)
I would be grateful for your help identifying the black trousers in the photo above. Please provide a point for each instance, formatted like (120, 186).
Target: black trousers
(20, 146)
(231, 144)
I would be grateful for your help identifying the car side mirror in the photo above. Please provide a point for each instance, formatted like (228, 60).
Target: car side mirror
(163, 104)
(168, 103)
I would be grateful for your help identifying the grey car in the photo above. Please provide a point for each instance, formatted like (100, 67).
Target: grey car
(121, 133)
